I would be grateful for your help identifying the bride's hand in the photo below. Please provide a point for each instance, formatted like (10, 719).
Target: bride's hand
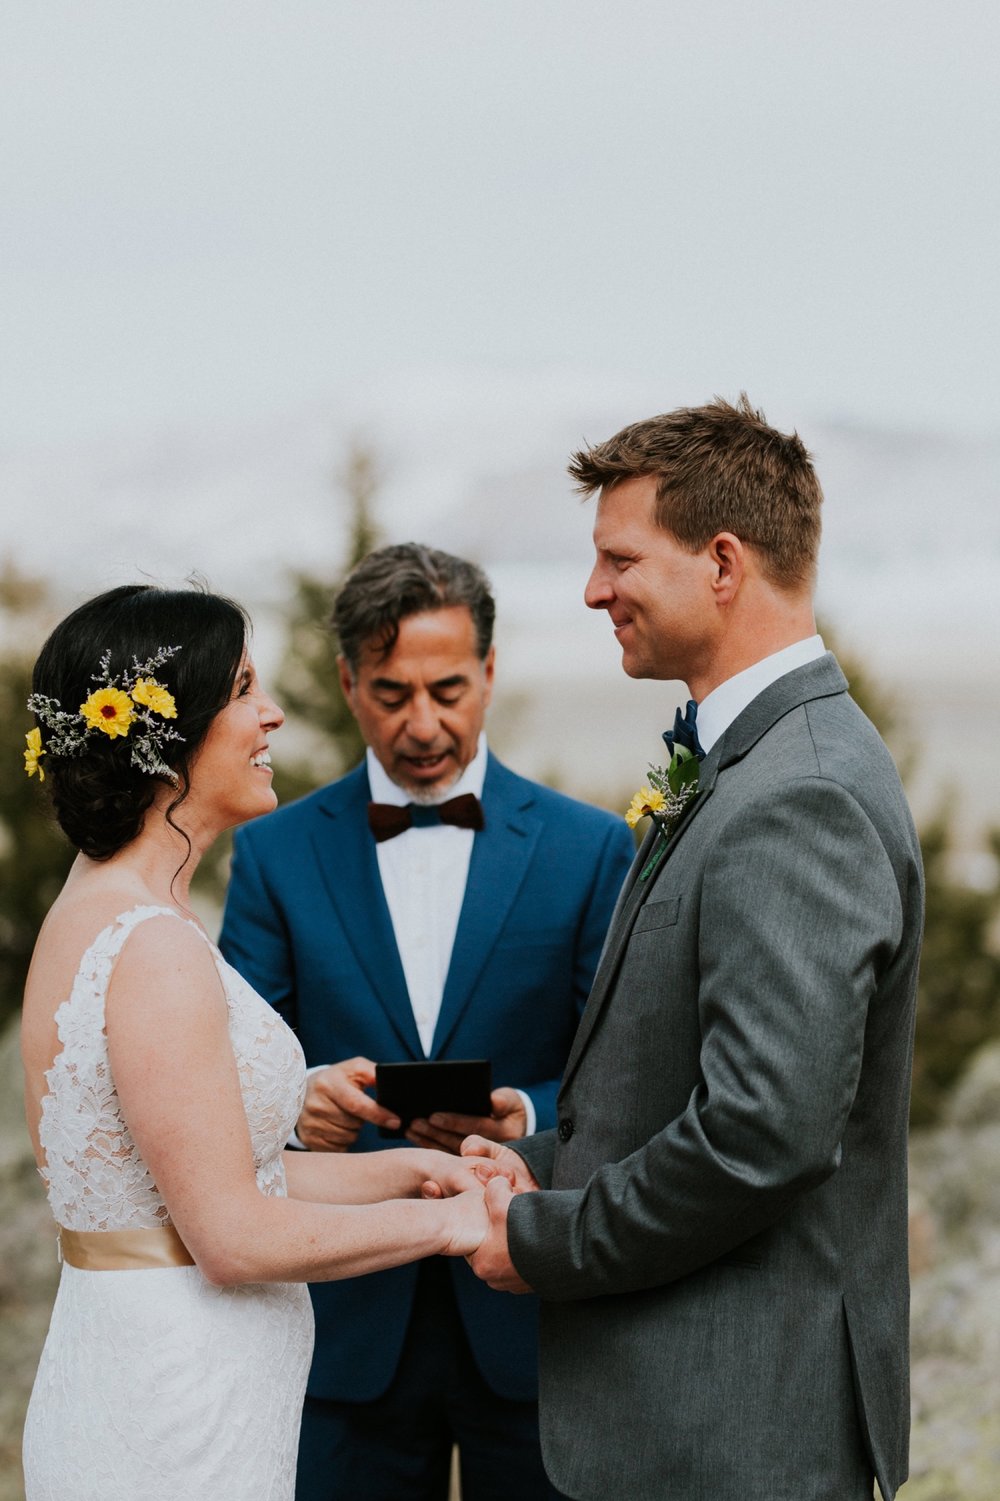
(467, 1222)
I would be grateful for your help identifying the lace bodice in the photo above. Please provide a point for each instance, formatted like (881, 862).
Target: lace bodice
(95, 1177)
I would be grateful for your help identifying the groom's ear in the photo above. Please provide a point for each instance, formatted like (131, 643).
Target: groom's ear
(729, 560)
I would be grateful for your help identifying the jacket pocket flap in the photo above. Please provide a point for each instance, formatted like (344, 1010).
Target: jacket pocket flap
(657, 915)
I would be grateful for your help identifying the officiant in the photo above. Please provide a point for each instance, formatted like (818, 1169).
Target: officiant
(431, 904)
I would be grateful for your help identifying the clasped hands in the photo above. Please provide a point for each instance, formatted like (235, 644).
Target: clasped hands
(503, 1174)
(336, 1106)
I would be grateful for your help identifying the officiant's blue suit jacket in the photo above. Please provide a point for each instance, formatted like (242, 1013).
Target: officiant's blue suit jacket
(307, 923)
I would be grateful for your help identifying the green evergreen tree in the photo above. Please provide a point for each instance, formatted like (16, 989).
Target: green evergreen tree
(307, 684)
(958, 1000)
(959, 997)
(308, 679)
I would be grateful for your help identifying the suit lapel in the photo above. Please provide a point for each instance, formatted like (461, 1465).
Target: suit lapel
(634, 894)
(820, 679)
(501, 854)
(345, 854)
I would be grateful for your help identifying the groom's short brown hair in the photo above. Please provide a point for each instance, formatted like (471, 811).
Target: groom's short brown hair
(720, 468)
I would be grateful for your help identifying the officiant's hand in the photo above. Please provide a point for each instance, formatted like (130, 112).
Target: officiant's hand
(491, 1262)
(336, 1106)
(508, 1121)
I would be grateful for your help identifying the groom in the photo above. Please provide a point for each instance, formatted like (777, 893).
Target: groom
(723, 1262)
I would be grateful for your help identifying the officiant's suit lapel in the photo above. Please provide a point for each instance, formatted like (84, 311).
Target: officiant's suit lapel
(342, 841)
(819, 679)
(501, 854)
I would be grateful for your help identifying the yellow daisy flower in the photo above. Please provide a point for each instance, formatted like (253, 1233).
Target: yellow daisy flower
(32, 754)
(110, 710)
(647, 800)
(153, 694)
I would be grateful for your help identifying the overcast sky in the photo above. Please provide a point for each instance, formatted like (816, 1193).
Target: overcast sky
(215, 210)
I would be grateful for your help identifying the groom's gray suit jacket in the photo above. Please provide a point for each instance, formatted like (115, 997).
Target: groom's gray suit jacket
(724, 1259)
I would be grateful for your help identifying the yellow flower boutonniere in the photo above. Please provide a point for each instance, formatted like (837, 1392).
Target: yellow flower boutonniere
(647, 800)
(663, 798)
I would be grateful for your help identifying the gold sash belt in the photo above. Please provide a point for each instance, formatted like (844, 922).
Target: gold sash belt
(123, 1250)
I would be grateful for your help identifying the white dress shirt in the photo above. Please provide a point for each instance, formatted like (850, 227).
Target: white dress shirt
(423, 874)
(724, 704)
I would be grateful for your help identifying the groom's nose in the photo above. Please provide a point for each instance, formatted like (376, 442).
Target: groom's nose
(598, 593)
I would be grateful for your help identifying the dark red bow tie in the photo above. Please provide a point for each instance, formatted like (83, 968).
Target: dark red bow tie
(386, 820)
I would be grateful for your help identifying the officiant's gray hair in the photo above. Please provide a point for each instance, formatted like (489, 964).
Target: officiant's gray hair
(407, 579)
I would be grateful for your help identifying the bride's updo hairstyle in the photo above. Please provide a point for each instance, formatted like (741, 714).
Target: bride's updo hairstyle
(100, 798)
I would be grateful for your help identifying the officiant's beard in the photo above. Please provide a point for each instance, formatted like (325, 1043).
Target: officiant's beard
(426, 794)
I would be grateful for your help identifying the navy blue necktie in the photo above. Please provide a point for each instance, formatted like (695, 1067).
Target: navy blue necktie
(685, 731)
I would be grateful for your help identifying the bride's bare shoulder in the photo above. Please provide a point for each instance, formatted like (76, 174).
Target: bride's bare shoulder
(84, 907)
(87, 905)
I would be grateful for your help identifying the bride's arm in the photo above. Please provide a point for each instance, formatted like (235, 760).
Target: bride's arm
(176, 1077)
(367, 1177)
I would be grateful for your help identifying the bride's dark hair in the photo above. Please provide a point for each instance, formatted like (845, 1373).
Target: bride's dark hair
(100, 798)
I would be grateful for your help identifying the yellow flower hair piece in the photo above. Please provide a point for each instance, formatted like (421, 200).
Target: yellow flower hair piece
(132, 705)
(109, 710)
(34, 752)
(154, 696)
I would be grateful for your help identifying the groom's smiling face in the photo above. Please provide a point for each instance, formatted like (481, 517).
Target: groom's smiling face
(656, 592)
(421, 707)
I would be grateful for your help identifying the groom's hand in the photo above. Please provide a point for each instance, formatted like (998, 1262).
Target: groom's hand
(491, 1262)
(493, 1156)
(336, 1106)
(508, 1121)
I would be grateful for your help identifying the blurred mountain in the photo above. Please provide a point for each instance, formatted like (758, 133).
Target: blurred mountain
(476, 464)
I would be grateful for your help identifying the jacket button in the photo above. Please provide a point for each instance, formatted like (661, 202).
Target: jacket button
(565, 1130)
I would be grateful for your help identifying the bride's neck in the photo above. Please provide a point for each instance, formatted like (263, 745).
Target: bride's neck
(159, 863)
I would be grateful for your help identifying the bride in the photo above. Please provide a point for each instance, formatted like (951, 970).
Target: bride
(160, 1089)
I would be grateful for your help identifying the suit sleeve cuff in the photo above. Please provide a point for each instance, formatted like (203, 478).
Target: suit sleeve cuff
(293, 1140)
(539, 1153)
(531, 1123)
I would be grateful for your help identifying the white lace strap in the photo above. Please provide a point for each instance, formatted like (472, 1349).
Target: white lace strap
(126, 922)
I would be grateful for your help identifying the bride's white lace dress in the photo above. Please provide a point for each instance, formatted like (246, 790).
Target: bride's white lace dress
(153, 1383)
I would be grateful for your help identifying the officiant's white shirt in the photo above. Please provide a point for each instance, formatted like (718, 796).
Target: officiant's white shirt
(424, 874)
(724, 704)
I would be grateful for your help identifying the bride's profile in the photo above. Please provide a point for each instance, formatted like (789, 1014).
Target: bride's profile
(161, 1090)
